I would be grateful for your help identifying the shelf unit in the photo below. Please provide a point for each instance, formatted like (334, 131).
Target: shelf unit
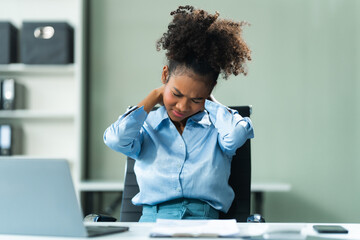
(35, 114)
(52, 121)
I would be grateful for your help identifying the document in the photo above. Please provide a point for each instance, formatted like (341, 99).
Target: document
(284, 231)
(195, 228)
(226, 228)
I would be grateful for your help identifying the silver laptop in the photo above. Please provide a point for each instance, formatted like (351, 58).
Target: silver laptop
(37, 197)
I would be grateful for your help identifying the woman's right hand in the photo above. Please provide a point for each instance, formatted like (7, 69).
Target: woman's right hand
(154, 97)
(160, 94)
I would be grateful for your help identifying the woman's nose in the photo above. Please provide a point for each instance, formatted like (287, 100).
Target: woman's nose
(183, 105)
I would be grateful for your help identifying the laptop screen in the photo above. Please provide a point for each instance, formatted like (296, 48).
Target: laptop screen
(38, 198)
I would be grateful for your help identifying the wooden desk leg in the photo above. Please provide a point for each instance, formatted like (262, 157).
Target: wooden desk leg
(259, 201)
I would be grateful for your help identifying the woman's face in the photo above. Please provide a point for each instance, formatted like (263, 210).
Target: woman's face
(184, 95)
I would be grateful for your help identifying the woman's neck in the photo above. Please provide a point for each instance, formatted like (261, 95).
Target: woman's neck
(180, 126)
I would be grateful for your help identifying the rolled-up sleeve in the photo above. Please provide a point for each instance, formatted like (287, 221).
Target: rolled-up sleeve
(125, 135)
(233, 129)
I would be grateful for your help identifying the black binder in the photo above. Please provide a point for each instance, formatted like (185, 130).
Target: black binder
(5, 140)
(8, 43)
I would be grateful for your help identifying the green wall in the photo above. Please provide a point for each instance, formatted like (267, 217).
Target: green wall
(303, 84)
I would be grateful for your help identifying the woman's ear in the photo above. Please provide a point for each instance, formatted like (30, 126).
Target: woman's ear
(165, 74)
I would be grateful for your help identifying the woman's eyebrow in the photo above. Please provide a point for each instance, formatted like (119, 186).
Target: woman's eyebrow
(179, 93)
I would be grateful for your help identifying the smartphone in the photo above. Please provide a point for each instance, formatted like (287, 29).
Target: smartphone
(330, 229)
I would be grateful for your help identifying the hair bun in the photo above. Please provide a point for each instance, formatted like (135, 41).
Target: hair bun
(196, 35)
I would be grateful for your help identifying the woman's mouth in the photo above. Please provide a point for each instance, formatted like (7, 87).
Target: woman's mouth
(177, 114)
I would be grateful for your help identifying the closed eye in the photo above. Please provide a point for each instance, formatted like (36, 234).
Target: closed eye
(176, 95)
(196, 100)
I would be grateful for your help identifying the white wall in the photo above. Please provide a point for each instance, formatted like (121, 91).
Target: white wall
(302, 83)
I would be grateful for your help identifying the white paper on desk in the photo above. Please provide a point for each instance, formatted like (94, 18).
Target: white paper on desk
(195, 228)
(281, 231)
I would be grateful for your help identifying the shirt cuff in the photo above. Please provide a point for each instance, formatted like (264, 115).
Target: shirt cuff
(135, 112)
(129, 110)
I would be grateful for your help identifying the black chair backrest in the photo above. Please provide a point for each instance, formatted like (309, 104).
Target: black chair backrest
(240, 178)
(240, 181)
(128, 211)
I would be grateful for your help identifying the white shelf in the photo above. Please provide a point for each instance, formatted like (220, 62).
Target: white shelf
(33, 157)
(270, 187)
(35, 114)
(37, 69)
(118, 186)
(101, 186)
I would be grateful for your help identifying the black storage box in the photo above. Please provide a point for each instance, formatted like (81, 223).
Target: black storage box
(47, 43)
(8, 43)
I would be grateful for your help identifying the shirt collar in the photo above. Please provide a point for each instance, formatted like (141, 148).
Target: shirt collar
(157, 117)
(161, 115)
(201, 118)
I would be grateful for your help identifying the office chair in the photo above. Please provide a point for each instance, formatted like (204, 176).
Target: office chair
(240, 181)
(128, 211)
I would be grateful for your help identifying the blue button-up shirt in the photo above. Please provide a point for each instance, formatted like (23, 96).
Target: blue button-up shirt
(194, 165)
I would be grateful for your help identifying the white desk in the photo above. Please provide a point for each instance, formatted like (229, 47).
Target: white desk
(141, 231)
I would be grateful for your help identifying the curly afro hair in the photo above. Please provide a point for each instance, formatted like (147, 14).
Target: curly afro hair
(204, 43)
